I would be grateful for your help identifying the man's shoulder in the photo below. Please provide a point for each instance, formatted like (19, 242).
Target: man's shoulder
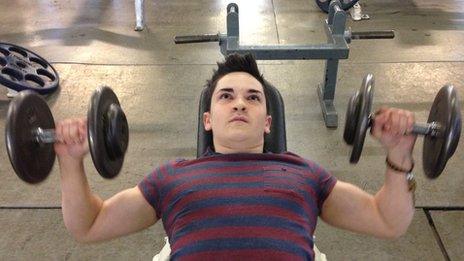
(291, 154)
(309, 163)
(296, 158)
(174, 163)
(180, 163)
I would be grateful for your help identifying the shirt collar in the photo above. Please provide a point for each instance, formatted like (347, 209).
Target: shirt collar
(210, 152)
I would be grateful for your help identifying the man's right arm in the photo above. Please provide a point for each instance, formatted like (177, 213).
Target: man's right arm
(87, 217)
(90, 219)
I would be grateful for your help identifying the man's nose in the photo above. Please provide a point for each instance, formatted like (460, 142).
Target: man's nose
(239, 105)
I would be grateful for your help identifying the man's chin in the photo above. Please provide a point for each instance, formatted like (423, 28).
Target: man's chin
(238, 137)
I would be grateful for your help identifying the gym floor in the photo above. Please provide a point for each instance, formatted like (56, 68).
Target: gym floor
(93, 43)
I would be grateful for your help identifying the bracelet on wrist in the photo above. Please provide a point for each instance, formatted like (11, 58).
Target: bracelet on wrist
(398, 169)
(409, 176)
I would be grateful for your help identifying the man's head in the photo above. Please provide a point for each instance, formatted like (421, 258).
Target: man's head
(237, 106)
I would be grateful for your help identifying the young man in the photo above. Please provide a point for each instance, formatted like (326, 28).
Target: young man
(236, 201)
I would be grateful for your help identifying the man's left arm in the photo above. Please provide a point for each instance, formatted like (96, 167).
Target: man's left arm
(388, 213)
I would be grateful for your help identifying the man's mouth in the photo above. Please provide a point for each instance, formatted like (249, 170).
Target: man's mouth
(239, 118)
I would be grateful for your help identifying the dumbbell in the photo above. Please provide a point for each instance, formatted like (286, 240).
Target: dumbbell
(441, 132)
(30, 135)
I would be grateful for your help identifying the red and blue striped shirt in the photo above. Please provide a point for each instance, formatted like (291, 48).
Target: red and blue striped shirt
(239, 206)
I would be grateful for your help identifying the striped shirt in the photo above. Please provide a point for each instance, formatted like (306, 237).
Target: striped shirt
(239, 206)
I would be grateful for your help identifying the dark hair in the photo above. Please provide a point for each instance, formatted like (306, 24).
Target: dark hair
(234, 63)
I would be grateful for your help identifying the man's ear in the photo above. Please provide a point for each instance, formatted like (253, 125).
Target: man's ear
(207, 120)
(267, 124)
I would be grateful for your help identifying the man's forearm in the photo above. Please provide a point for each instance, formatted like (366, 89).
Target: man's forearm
(80, 207)
(394, 200)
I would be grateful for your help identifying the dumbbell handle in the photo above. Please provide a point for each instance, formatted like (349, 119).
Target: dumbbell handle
(184, 39)
(432, 128)
(44, 135)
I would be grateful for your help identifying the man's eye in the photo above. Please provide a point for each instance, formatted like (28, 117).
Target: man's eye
(254, 98)
(225, 96)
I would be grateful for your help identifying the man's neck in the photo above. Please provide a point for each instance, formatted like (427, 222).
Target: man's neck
(237, 148)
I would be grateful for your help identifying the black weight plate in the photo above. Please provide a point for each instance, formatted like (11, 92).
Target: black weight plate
(437, 150)
(32, 162)
(345, 4)
(117, 137)
(352, 114)
(362, 121)
(106, 162)
(22, 69)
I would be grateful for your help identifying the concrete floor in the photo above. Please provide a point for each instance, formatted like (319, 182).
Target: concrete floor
(92, 43)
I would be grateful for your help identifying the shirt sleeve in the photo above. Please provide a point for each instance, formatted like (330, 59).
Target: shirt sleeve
(152, 185)
(326, 183)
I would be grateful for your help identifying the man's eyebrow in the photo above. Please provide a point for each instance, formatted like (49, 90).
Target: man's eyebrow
(226, 90)
(255, 91)
(232, 90)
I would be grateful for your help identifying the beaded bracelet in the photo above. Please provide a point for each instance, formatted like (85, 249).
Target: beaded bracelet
(395, 168)
(409, 176)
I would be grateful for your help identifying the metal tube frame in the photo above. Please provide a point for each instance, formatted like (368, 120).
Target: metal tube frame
(335, 49)
(139, 15)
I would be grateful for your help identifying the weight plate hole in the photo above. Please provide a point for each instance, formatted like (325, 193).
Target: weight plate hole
(47, 74)
(21, 64)
(4, 52)
(2, 61)
(14, 75)
(35, 80)
(18, 51)
(38, 61)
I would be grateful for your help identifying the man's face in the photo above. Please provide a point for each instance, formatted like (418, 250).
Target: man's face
(238, 115)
